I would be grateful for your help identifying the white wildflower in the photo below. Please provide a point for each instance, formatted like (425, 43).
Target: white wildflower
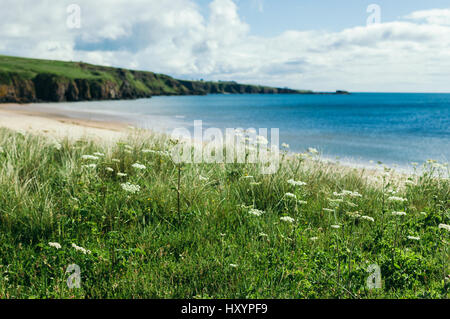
(116, 160)
(335, 226)
(313, 151)
(234, 265)
(90, 166)
(285, 145)
(202, 178)
(83, 250)
(287, 219)
(314, 238)
(391, 191)
(56, 245)
(397, 199)
(99, 154)
(109, 169)
(296, 183)
(138, 166)
(302, 202)
(399, 213)
(131, 188)
(261, 140)
(329, 210)
(347, 193)
(444, 226)
(256, 212)
(353, 214)
(290, 195)
(89, 157)
(413, 238)
(368, 218)
(121, 174)
(336, 200)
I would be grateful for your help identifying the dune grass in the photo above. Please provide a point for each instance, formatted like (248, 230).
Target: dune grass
(212, 230)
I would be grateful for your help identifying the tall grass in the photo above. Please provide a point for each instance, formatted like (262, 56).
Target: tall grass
(188, 233)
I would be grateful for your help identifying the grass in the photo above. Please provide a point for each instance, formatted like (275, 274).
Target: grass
(187, 233)
(29, 68)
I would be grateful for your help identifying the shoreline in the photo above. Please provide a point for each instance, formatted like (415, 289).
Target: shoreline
(19, 117)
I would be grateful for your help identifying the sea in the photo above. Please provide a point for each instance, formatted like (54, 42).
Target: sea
(363, 129)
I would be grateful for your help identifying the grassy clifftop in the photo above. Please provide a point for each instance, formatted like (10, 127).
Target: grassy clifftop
(31, 80)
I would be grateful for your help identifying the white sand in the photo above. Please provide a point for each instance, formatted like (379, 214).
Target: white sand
(15, 117)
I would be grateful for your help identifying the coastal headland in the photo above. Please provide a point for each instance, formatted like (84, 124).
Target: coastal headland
(24, 80)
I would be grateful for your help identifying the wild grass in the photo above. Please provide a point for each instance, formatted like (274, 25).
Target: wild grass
(187, 232)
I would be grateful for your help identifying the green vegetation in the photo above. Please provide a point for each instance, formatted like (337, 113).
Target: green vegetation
(31, 80)
(29, 68)
(212, 230)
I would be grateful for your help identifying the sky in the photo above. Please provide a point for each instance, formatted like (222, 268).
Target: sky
(326, 45)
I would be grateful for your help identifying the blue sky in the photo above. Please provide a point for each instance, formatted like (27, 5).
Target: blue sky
(330, 15)
(305, 44)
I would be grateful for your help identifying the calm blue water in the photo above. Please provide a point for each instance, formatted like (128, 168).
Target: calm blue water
(392, 128)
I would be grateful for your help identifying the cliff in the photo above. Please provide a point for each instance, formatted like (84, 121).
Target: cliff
(24, 80)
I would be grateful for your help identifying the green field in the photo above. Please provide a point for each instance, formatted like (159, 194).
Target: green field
(29, 68)
(212, 230)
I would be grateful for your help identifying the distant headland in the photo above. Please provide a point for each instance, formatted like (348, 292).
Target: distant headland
(24, 80)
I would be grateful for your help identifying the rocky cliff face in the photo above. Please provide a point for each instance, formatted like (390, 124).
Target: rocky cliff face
(51, 88)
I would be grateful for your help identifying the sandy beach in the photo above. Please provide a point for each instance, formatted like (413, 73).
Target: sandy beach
(20, 117)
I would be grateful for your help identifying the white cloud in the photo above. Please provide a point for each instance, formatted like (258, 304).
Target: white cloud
(436, 16)
(172, 36)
